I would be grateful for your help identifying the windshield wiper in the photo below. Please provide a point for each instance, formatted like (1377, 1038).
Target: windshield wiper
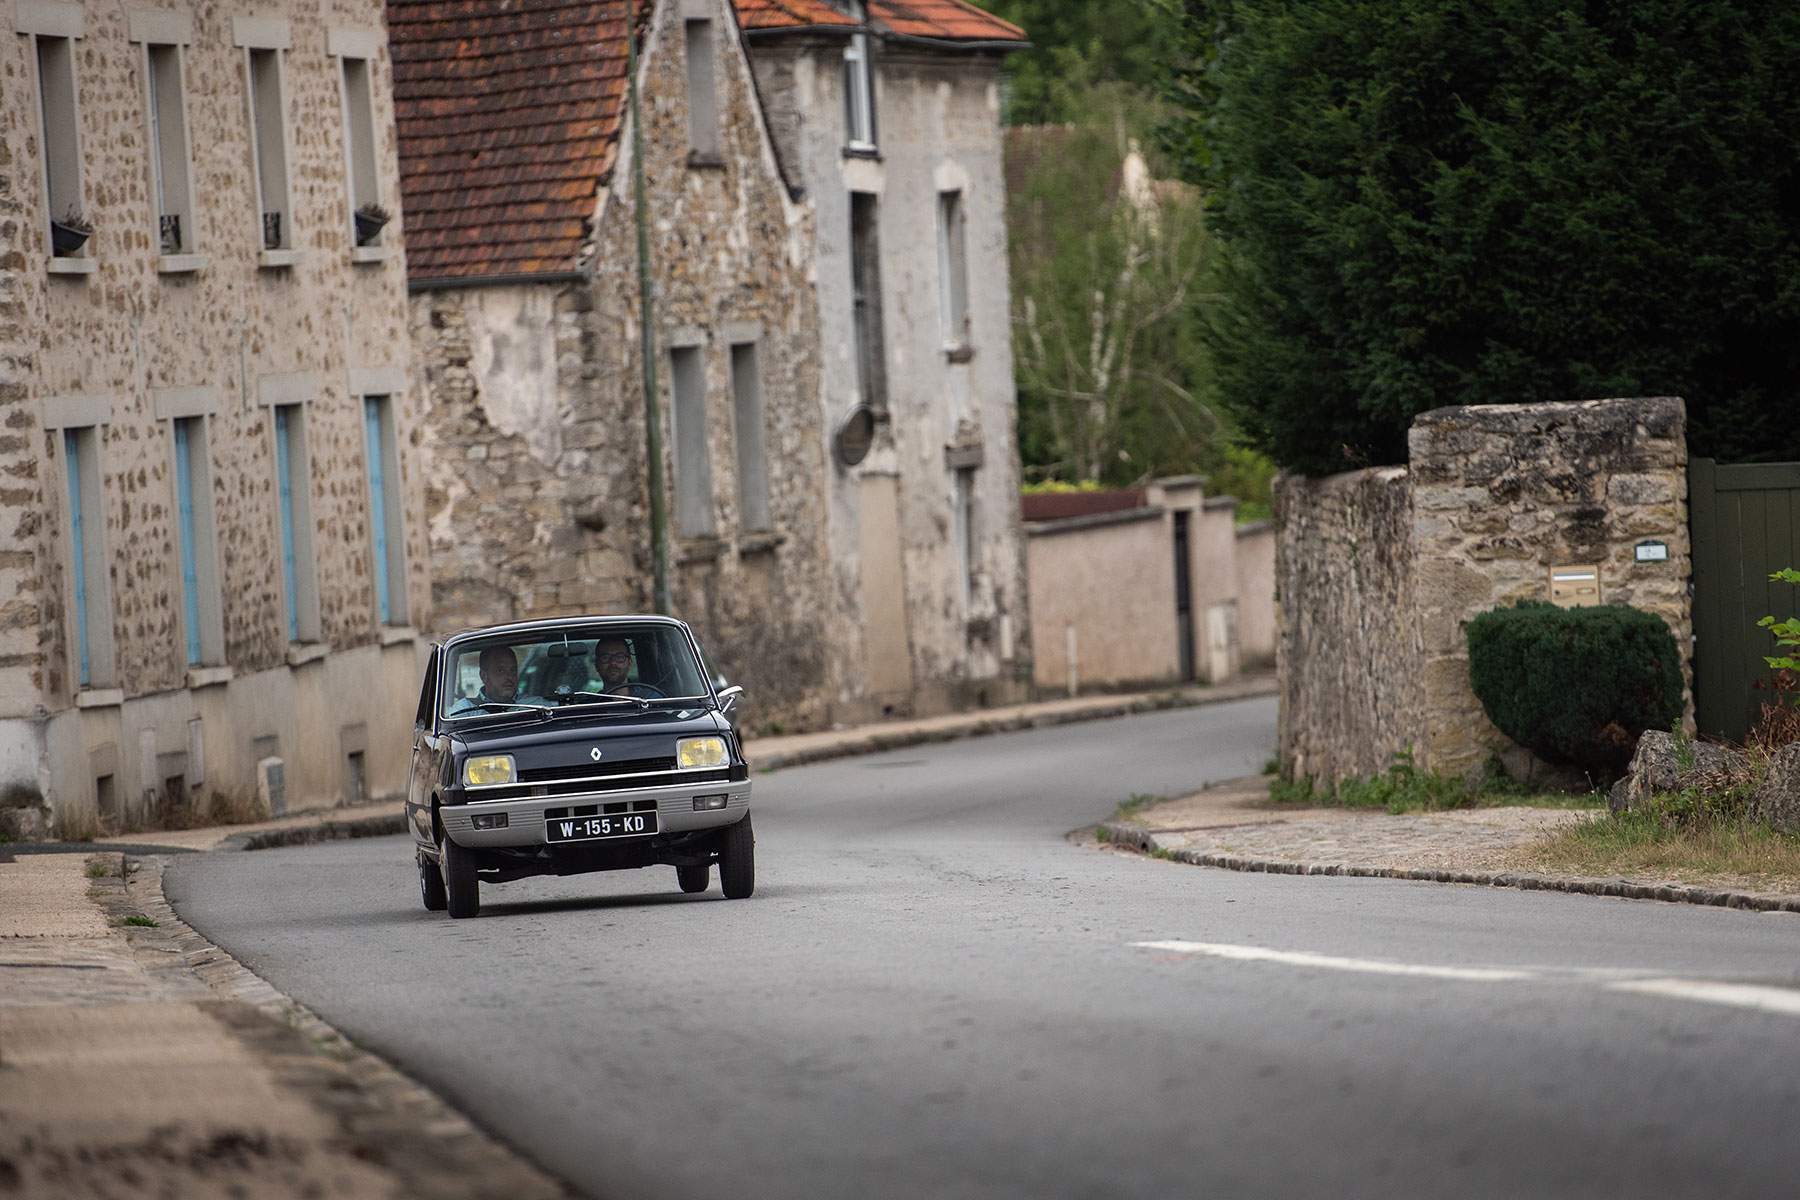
(490, 707)
(637, 700)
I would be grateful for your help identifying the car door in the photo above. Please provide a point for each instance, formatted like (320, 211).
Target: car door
(418, 781)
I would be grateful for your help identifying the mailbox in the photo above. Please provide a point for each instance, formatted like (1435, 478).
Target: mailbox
(1574, 586)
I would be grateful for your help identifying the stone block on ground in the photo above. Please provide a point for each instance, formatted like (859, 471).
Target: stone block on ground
(1777, 798)
(1657, 770)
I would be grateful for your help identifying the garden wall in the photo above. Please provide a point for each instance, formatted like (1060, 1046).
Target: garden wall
(1379, 571)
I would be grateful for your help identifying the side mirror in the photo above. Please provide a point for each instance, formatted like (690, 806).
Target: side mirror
(728, 697)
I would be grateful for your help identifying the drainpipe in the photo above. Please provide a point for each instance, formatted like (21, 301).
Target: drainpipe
(659, 533)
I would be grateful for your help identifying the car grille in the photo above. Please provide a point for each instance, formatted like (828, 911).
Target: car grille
(596, 770)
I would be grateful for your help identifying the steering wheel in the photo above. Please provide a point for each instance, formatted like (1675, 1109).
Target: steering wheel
(643, 691)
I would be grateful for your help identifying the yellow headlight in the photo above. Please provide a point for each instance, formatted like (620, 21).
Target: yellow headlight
(700, 752)
(490, 768)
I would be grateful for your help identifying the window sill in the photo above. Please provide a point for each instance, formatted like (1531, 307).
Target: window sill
(301, 653)
(370, 254)
(705, 160)
(99, 698)
(278, 258)
(959, 354)
(761, 542)
(854, 150)
(202, 677)
(72, 266)
(394, 635)
(179, 264)
(698, 550)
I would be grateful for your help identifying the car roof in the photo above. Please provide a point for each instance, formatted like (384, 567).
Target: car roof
(554, 623)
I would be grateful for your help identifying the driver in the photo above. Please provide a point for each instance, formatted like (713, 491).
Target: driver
(499, 668)
(613, 659)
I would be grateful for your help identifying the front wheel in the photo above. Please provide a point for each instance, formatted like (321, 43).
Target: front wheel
(693, 879)
(462, 891)
(431, 886)
(737, 860)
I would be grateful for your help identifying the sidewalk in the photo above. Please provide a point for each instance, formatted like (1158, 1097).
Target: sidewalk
(1237, 827)
(139, 1060)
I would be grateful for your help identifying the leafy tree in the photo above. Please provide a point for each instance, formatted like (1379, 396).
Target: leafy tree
(1434, 202)
(1077, 48)
(1108, 270)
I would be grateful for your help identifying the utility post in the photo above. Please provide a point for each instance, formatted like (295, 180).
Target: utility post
(659, 517)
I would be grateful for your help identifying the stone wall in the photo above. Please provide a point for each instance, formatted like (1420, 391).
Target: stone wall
(1349, 655)
(111, 335)
(1503, 493)
(1381, 571)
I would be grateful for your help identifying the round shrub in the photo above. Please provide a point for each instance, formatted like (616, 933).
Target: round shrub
(1575, 685)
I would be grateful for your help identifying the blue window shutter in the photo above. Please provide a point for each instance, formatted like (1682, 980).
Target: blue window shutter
(377, 503)
(72, 455)
(190, 574)
(284, 481)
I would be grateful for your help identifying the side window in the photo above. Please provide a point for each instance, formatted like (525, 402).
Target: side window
(428, 694)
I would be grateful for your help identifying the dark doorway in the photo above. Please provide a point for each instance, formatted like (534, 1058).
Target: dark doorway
(1184, 599)
(1744, 522)
(865, 295)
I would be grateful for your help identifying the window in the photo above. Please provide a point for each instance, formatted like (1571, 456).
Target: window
(859, 96)
(965, 533)
(169, 173)
(293, 478)
(91, 604)
(268, 133)
(387, 532)
(953, 271)
(747, 416)
(703, 110)
(201, 615)
(865, 294)
(359, 147)
(62, 147)
(693, 474)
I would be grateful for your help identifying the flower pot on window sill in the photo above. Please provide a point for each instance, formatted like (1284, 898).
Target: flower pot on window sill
(67, 240)
(370, 220)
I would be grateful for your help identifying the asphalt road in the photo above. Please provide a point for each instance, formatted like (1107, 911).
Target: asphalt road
(934, 994)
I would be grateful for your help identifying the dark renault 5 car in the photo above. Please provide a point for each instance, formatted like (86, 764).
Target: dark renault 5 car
(574, 745)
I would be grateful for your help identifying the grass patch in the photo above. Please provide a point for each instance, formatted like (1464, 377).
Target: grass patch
(1129, 810)
(145, 922)
(1642, 844)
(1404, 788)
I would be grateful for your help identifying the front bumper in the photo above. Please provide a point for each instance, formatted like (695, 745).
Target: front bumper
(675, 813)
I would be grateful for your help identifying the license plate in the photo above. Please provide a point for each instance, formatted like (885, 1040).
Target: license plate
(586, 829)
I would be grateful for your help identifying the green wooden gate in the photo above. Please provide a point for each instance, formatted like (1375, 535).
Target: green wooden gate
(1744, 522)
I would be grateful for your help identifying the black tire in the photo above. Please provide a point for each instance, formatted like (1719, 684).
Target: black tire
(694, 879)
(737, 860)
(431, 886)
(462, 891)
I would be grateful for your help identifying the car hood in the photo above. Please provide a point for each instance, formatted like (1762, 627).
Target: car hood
(571, 740)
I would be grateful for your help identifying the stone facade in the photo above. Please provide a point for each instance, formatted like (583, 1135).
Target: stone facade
(1381, 571)
(107, 347)
(538, 496)
(926, 551)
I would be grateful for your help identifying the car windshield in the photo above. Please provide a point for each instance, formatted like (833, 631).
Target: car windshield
(574, 664)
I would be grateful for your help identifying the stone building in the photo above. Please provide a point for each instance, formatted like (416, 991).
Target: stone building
(211, 523)
(887, 115)
(516, 159)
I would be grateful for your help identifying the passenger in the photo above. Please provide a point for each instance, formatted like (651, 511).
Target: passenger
(499, 682)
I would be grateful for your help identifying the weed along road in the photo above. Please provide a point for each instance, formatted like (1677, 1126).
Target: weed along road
(933, 993)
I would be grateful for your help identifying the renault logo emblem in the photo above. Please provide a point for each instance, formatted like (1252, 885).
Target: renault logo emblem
(595, 754)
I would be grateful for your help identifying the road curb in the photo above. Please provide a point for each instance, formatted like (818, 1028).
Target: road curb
(409, 1109)
(326, 831)
(1140, 837)
(876, 743)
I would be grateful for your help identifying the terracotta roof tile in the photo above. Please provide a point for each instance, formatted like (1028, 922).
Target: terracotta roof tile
(949, 20)
(508, 114)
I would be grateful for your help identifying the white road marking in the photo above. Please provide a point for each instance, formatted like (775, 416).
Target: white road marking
(1740, 995)
(1331, 962)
